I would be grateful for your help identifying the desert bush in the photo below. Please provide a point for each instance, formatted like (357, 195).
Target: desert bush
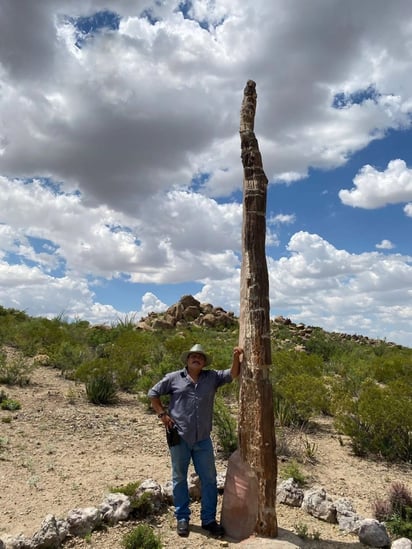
(310, 450)
(283, 411)
(101, 388)
(301, 530)
(151, 374)
(142, 506)
(142, 537)
(15, 371)
(127, 356)
(67, 356)
(36, 335)
(293, 470)
(298, 387)
(286, 363)
(400, 497)
(10, 404)
(379, 421)
(128, 489)
(302, 397)
(10, 319)
(225, 425)
(325, 347)
(396, 510)
(392, 366)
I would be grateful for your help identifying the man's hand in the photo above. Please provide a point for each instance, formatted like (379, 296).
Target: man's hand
(235, 369)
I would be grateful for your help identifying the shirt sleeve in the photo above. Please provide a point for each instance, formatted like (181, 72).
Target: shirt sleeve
(223, 377)
(161, 388)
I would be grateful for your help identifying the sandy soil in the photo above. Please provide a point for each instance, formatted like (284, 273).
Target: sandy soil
(60, 452)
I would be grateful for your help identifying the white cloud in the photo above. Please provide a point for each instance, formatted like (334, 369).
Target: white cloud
(139, 131)
(375, 189)
(172, 102)
(323, 286)
(385, 245)
(150, 303)
(282, 219)
(174, 231)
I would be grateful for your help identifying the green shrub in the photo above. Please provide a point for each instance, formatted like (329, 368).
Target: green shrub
(379, 421)
(67, 356)
(302, 530)
(292, 470)
(141, 537)
(101, 388)
(391, 367)
(325, 347)
(287, 363)
(10, 404)
(15, 371)
(127, 356)
(128, 490)
(142, 506)
(303, 396)
(283, 411)
(225, 425)
(35, 335)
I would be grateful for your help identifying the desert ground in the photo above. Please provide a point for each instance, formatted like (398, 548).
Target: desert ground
(59, 452)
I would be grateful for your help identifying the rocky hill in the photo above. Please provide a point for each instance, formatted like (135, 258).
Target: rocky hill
(285, 333)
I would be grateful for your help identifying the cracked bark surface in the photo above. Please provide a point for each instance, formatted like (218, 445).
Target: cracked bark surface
(257, 441)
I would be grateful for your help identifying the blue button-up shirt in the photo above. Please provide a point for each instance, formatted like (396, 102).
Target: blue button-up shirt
(191, 404)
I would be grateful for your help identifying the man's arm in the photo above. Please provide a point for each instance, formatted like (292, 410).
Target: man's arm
(235, 369)
(157, 405)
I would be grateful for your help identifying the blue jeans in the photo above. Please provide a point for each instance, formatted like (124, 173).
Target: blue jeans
(203, 459)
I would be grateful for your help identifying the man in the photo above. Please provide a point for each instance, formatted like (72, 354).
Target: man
(192, 391)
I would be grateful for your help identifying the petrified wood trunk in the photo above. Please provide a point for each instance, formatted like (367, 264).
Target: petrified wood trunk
(257, 441)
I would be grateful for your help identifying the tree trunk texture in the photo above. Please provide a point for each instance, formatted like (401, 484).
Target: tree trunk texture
(257, 442)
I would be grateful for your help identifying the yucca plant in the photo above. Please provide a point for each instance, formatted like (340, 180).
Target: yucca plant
(101, 388)
(225, 425)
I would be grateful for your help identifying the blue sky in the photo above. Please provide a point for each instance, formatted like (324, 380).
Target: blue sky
(120, 171)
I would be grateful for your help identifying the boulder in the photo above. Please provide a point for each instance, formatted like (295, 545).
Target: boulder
(115, 507)
(373, 533)
(318, 504)
(289, 493)
(82, 521)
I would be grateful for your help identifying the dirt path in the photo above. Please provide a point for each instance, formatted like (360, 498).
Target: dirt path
(59, 452)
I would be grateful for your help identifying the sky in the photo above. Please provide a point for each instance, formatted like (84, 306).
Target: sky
(120, 171)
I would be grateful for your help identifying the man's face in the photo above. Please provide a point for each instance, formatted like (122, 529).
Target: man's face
(196, 360)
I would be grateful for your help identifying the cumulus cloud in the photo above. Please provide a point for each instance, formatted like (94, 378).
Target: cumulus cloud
(169, 104)
(375, 189)
(385, 245)
(279, 219)
(352, 293)
(120, 153)
(175, 231)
